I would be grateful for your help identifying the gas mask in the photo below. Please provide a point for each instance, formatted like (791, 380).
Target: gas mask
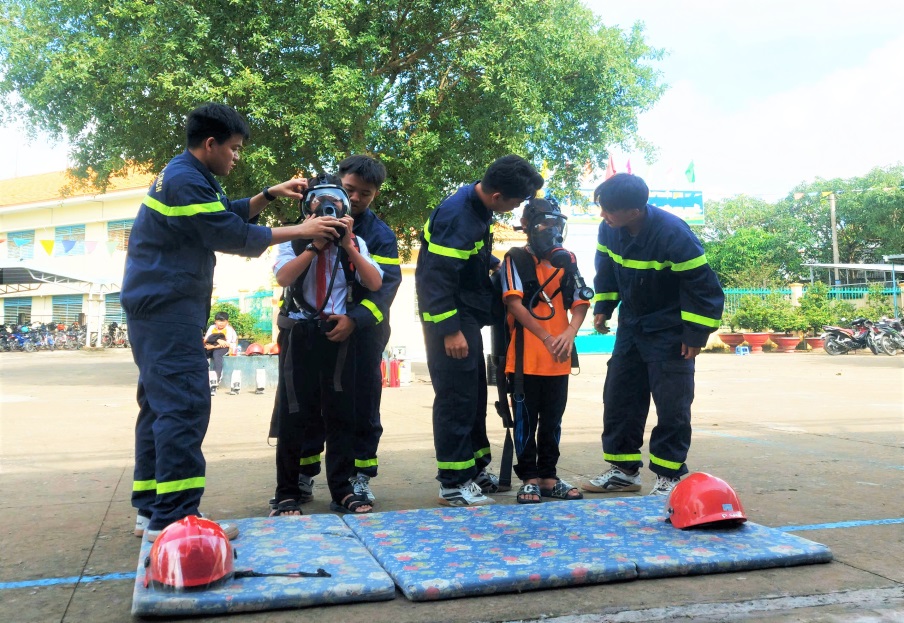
(546, 229)
(326, 200)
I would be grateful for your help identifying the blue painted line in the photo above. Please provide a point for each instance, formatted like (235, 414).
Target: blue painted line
(842, 524)
(70, 580)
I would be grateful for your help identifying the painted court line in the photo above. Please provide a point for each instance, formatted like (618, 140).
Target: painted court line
(131, 576)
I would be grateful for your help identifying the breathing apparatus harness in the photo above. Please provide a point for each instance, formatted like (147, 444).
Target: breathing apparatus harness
(545, 235)
(321, 199)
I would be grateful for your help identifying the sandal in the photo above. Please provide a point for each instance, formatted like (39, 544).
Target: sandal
(351, 504)
(286, 507)
(561, 491)
(305, 491)
(525, 493)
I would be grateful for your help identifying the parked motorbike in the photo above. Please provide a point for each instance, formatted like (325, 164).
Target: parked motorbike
(862, 334)
(891, 335)
(116, 336)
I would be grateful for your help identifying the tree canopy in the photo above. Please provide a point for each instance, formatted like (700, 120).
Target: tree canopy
(754, 243)
(436, 89)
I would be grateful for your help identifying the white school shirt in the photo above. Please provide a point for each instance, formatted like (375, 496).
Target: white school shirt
(336, 302)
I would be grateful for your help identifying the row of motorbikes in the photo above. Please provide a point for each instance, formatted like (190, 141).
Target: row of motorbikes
(884, 336)
(37, 336)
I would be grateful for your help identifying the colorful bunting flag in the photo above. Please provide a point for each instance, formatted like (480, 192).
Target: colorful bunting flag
(48, 246)
(90, 245)
(689, 173)
(21, 241)
(610, 168)
(68, 245)
(111, 247)
(628, 167)
(798, 195)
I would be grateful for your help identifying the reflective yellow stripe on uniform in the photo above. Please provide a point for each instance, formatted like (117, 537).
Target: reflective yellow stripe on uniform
(461, 254)
(652, 264)
(621, 457)
(698, 319)
(481, 452)
(180, 485)
(664, 463)
(439, 317)
(605, 296)
(144, 485)
(379, 259)
(366, 463)
(373, 309)
(309, 460)
(188, 210)
(459, 465)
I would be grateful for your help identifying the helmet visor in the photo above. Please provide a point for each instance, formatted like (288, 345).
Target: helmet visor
(326, 201)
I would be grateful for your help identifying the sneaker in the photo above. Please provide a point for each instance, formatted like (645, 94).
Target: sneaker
(613, 480)
(141, 524)
(361, 483)
(489, 482)
(306, 491)
(467, 494)
(664, 485)
(229, 528)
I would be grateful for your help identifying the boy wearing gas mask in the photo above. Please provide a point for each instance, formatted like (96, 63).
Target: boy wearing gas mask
(324, 280)
(541, 285)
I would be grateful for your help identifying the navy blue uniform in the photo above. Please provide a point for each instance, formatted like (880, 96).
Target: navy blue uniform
(166, 293)
(669, 296)
(371, 316)
(455, 294)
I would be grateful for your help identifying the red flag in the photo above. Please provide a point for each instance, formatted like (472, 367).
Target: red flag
(628, 167)
(610, 168)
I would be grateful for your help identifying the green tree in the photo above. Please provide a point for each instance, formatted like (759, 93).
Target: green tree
(436, 88)
(877, 303)
(816, 307)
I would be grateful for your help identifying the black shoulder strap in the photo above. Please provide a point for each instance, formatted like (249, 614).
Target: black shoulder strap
(526, 266)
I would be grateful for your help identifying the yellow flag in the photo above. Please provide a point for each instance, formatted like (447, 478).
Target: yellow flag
(48, 246)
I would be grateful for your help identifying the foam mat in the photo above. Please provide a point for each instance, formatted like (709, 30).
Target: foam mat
(278, 545)
(454, 552)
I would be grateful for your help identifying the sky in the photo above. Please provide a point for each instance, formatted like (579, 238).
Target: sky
(763, 95)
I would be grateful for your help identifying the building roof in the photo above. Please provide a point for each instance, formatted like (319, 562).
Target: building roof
(60, 184)
(27, 275)
(886, 268)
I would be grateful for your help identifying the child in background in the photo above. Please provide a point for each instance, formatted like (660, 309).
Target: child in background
(219, 340)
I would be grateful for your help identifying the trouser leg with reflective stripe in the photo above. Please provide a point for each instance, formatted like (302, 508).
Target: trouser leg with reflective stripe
(368, 392)
(459, 420)
(174, 412)
(672, 386)
(626, 404)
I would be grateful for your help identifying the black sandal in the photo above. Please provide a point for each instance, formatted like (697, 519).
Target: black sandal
(286, 507)
(351, 504)
(525, 493)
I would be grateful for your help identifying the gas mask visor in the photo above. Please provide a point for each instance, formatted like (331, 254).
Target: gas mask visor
(326, 200)
(546, 232)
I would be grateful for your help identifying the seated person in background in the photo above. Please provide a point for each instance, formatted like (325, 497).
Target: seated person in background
(220, 339)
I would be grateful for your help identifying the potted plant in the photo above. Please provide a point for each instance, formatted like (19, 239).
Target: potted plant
(732, 339)
(785, 319)
(816, 308)
(752, 315)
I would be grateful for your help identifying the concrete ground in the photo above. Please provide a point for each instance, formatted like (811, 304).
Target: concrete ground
(804, 438)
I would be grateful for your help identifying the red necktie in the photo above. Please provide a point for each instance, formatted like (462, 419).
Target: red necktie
(321, 281)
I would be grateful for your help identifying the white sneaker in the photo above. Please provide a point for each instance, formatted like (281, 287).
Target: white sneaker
(467, 494)
(612, 481)
(141, 524)
(664, 485)
(361, 483)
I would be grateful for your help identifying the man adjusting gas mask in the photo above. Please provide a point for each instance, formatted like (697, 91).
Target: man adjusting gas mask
(546, 229)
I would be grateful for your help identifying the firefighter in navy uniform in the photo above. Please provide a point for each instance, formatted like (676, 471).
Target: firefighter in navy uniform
(649, 262)
(166, 293)
(456, 299)
(361, 177)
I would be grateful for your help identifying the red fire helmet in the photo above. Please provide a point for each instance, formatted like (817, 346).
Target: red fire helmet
(254, 349)
(274, 350)
(192, 553)
(703, 499)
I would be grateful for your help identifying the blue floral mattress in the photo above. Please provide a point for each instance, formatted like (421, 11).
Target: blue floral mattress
(454, 552)
(280, 544)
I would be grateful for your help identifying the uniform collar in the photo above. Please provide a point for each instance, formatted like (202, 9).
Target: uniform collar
(476, 203)
(191, 159)
(641, 238)
(363, 218)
